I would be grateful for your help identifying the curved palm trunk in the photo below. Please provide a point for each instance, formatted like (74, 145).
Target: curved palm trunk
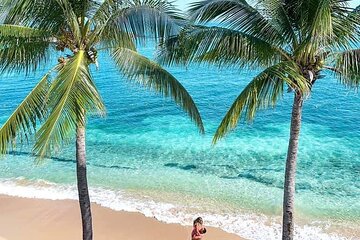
(84, 199)
(290, 171)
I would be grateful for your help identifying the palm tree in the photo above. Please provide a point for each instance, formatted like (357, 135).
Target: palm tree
(67, 94)
(290, 41)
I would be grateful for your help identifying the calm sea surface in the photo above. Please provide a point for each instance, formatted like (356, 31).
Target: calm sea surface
(147, 156)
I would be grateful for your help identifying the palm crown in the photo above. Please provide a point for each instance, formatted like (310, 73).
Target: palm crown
(291, 41)
(33, 28)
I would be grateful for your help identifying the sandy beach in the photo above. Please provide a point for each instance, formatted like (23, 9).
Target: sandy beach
(31, 219)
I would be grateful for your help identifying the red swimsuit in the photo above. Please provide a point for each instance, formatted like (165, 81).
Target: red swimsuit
(195, 234)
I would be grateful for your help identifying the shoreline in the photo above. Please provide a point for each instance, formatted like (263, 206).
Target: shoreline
(60, 219)
(237, 224)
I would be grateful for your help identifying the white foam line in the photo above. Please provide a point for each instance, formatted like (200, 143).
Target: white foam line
(250, 226)
(40, 189)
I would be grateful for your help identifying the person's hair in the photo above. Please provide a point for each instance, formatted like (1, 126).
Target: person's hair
(198, 220)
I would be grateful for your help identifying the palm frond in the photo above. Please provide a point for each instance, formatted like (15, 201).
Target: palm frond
(85, 8)
(345, 27)
(23, 120)
(71, 19)
(111, 42)
(220, 46)
(109, 36)
(262, 92)
(278, 15)
(71, 92)
(236, 15)
(320, 24)
(326, 24)
(105, 29)
(151, 75)
(22, 48)
(52, 15)
(42, 14)
(17, 31)
(347, 67)
(105, 10)
(357, 9)
(5, 6)
(140, 19)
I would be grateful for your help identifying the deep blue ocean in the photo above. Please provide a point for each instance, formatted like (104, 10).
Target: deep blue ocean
(147, 156)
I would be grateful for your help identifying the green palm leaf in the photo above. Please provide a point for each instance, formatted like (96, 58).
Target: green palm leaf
(71, 92)
(221, 46)
(109, 36)
(86, 8)
(153, 19)
(23, 120)
(347, 67)
(277, 13)
(325, 24)
(16, 31)
(345, 27)
(106, 31)
(262, 92)
(151, 75)
(237, 15)
(71, 19)
(106, 10)
(43, 14)
(22, 48)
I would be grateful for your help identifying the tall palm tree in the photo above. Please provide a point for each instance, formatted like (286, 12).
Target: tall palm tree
(290, 41)
(67, 94)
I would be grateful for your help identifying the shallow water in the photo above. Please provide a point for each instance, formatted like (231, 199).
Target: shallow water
(147, 156)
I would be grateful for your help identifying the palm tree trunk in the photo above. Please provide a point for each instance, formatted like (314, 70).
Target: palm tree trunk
(84, 199)
(290, 171)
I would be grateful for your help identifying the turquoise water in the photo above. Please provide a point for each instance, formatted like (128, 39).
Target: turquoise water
(147, 156)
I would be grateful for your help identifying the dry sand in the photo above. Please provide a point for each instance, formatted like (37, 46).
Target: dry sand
(36, 219)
